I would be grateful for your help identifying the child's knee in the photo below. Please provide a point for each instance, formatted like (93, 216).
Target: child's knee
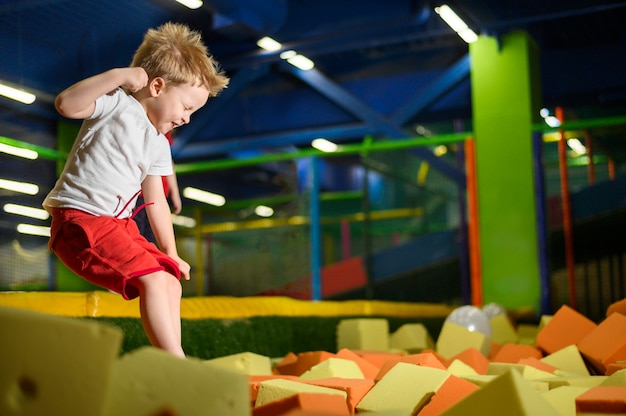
(161, 280)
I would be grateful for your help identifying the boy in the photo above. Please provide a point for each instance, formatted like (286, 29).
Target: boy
(120, 152)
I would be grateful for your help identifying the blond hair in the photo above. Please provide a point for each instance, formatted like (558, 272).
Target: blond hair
(177, 54)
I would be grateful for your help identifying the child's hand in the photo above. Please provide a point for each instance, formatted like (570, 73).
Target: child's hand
(136, 78)
(184, 268)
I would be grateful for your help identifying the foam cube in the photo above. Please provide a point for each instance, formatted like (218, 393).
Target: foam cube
(568, 359)
(473, 358)
(619, 306)
(368, 369)
(502, 331)
(452, 391)
(363, 334)
(602, 400)
(52, 365)
(459, 368)
(354, 388)
(425, 359)
(527, 334)
(150, 381)
(333, 367)
(454, 339)
(295, 365)
(512, 353)
(328, 404)
(616, 379)
(606, 343)
(567, 327)
(412, 338)
(509, 394)
(278, 389)
(403, 388)
(246, 362)
(563, 398)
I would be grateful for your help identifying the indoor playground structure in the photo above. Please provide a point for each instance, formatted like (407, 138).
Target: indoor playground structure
(413, 224)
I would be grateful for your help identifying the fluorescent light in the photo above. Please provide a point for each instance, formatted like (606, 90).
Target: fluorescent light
(268, 44)
(17, 95)
(552, 121)
(204, 196)
(33, 230)
(38, 213)
(192, 4)
(468, 35)
(456, 23)
(440, 150)
(288, 54)
(297, 60)
(23, 187)
(576, 146)
(263, 211)
(183, 221)
(18, 151)
(302, 62)
(324, 145)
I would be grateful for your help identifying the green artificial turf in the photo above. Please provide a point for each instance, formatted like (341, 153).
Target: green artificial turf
(272, 336)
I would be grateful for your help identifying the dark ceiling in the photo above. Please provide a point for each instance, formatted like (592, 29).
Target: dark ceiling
(382, 68)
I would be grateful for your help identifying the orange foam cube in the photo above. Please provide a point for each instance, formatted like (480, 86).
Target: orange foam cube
(303, 362)
(453, 390)
(512, 353)
(606, 343)
(474, 358)
(255, 381)
(369, 370)
(377, 358)
(567, 327)
(355, 388)
(602, 399)
(538, 364)
(327, 404)
(619, 307)
(424, 359)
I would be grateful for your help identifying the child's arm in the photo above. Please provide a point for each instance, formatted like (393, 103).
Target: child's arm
(172, 182)
(161, 220)
(78, 101)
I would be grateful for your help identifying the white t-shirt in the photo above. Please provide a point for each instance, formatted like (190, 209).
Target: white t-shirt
(116, 148)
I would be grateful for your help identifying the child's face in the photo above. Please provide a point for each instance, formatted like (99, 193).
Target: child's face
(173, 105)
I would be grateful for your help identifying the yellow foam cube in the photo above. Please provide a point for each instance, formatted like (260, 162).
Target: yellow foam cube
(459, 368)
(502, 331)
(568, 359)
(527, 334)
(150, 381)
(363, 334)
(52, 365)
(247, 362)
(563, 399)
(454, 339)
(509, 394)
(618, 378)
(333, 367)
(276, 389)
(413, 338)
(403, 387)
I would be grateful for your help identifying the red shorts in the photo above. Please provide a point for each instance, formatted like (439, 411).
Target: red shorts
(106, 251)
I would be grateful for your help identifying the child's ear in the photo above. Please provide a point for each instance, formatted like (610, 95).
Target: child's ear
(156, 86)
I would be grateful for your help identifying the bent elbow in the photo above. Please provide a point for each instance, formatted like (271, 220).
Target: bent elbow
(60, 105)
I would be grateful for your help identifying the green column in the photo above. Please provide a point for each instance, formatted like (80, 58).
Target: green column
(505, 100)
(66, 280)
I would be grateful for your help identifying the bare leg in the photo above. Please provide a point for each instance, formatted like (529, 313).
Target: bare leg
(159, 303)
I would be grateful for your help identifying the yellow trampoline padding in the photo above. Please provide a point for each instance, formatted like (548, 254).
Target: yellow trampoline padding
(101, 303)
